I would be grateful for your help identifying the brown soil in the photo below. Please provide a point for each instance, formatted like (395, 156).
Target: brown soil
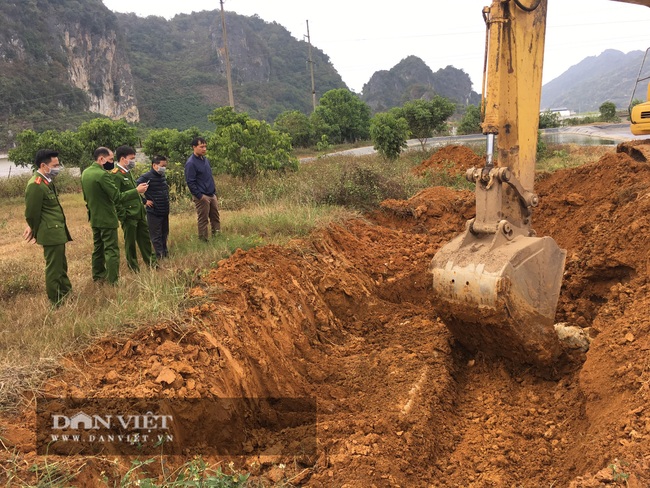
(453, 159)
(345, 316)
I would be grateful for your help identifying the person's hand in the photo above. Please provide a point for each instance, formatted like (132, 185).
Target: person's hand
(28, 235)
(149, 203)
(142, 187)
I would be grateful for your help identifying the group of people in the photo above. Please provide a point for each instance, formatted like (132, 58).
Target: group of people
(113, 196)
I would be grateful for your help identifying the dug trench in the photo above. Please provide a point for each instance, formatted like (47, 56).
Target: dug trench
(345, 317)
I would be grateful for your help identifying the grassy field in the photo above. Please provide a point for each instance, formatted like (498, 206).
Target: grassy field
(273, 209)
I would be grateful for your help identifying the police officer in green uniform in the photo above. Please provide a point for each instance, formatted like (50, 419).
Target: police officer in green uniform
(47, 225)
(131, 211)
(102, 196)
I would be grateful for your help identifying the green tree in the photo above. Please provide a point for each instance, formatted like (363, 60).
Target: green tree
(108, 133)
(172, 143)
(345, 115)
(608, 112)
(426, 117)
(471, 121)
(71, 150)
(224, 117)
(296, 124)
(159, 141)
(548, 119)
(251, 148)
(389, 134)
(318, 129)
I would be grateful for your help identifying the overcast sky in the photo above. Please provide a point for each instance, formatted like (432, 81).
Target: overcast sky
(361, 38)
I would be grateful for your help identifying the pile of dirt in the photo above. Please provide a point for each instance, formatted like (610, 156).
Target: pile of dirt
(453, 159)
(345, 316)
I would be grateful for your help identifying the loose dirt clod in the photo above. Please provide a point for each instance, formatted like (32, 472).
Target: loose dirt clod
(345, 316)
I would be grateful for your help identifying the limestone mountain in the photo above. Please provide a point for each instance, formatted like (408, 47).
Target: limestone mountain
(58, 60)
(411, 79)
(584, 87)
(179, 67)
(65, 61)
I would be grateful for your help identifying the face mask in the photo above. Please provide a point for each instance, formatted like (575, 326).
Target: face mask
(54, 171)
(130, 164)
(161, 170)
(109, 165)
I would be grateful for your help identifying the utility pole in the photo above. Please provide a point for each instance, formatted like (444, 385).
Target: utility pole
(311, 69)
(225, 46)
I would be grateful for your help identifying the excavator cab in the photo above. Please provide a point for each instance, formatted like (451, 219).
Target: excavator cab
(640, 113)
(496, 285)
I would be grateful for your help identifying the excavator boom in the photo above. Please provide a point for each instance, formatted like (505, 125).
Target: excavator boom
(638, 2)
(496, 285)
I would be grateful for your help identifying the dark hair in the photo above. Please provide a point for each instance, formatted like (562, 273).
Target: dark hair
(123, 151)
(198, 140)
(101, 151)
(158, 159)
(44, 156)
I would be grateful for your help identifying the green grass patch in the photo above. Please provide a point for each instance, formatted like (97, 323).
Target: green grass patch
(563, 156)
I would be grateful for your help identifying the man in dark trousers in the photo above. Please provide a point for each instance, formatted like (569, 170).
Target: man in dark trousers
(157, 204)
(130, 210)
(47, 225)
(102, 197)
(199, 179)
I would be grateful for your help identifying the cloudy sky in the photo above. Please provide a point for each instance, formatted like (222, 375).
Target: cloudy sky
(361, 38)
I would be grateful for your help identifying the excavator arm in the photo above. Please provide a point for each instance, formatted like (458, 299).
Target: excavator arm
(638, 2)
(496, 285)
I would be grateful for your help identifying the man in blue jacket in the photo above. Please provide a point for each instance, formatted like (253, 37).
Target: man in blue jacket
(199, 179)
(157, 204)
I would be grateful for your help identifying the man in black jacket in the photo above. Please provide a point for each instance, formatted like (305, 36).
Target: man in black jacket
(157, 204)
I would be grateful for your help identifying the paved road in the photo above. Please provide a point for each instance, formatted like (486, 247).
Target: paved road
(614, 132)
(617, 132)
(411, 144)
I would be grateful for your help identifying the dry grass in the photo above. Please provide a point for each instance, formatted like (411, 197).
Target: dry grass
(34, 336)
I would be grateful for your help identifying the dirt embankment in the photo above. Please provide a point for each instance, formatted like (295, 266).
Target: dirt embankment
(345, 316)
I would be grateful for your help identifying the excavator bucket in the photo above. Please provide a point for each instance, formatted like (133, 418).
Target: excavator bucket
(496, 286)
(499, 296)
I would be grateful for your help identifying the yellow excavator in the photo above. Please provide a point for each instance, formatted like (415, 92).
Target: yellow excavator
(496, 285)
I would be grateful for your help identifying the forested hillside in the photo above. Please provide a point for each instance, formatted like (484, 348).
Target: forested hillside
(58, 60)
(180, 72)
(65, 61)
(584, 87)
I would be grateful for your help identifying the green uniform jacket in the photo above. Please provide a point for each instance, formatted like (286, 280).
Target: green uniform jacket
(101, 196)
(131, 206)
(44, 214)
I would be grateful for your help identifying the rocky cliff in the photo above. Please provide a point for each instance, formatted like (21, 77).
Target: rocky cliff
(181, 77)
(61, 61)
(98, 66)
(411, 79)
